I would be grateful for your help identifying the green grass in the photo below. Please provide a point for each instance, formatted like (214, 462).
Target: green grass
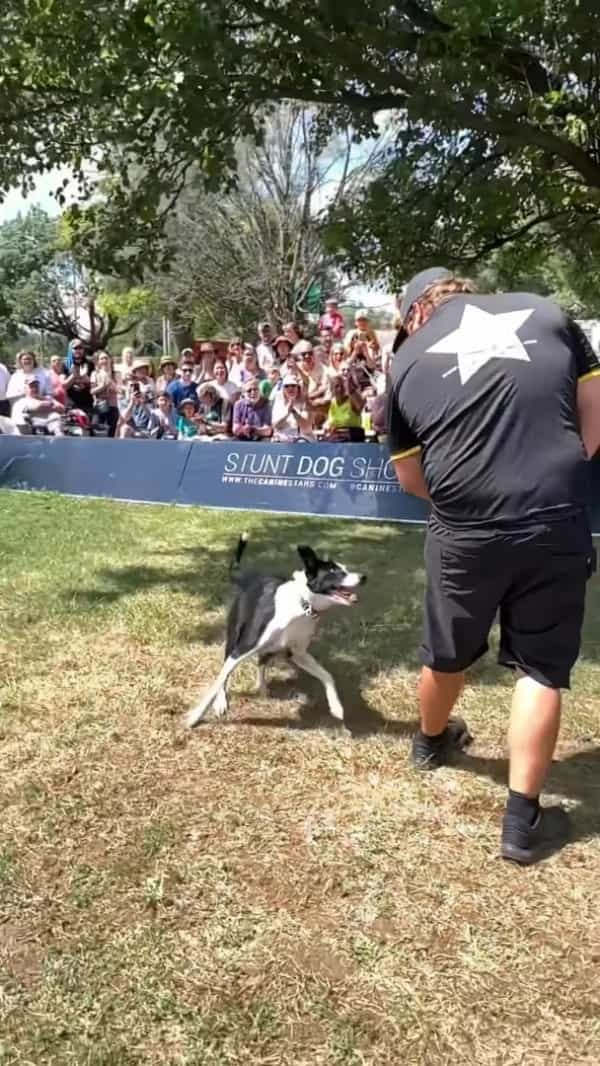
(265, 890)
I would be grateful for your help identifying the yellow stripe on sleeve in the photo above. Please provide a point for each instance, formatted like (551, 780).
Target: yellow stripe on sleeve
(405, 455)
(590, 374)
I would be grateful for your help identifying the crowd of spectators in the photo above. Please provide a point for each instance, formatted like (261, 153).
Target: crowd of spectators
(282, 388)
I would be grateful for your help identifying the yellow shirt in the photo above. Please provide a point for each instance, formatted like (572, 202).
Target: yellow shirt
(343, 416)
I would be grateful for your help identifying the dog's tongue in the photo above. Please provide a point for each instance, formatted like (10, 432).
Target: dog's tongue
(344, 594)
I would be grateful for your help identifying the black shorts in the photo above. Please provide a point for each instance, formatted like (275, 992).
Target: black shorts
(537, 581)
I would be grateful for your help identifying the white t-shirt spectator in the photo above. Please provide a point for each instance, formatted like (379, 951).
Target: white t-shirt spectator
(16, 385)
(285, 425)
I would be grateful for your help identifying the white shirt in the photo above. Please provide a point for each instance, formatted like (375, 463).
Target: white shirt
(266, 356)
(288, 429)
(4, 380)
(16, 385)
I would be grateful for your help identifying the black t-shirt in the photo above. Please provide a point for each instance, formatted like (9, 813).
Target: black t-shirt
(79, 394)
(486, 392)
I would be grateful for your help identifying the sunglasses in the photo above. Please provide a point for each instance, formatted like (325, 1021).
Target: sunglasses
(186, 370)
(251, 392)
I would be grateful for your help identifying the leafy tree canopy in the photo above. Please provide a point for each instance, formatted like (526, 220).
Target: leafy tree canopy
(44, 287)
(496, 105)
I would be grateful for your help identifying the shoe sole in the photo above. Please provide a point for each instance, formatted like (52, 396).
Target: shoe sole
(524, 857)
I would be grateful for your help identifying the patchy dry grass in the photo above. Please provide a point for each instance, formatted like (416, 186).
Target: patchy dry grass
(266, 890)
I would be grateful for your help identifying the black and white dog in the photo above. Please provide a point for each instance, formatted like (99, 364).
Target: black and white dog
(271, 616)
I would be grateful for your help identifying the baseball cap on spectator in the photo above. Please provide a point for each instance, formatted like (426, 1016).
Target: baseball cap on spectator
(290, 379)
(31, 380)
(282, 340)
(331, 302)
(361, 315)
(187, 402)
(417, 286)
(302, 348)
(166, 359)
(187, 353)
(140, 364)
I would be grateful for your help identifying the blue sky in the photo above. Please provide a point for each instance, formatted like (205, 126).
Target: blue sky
(45, 184)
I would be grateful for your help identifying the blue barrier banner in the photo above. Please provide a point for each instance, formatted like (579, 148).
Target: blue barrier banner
(122, 470)
(337, 480)
(343, 480)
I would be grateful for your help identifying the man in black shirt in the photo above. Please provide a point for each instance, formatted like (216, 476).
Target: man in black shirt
(493, 410)
(77, 380)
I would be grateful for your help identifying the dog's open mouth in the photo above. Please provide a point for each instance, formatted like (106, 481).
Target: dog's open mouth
(344, 596)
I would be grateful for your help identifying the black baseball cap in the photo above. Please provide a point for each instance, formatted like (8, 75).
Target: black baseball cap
(417, 285)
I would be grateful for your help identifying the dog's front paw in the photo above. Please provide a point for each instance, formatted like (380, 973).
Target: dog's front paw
(192, 717)
(221, 705)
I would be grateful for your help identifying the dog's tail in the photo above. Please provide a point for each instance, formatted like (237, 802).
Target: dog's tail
(237, 559)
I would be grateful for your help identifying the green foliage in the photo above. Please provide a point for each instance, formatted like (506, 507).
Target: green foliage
(136, 302)
(496, 103)
(46, 288)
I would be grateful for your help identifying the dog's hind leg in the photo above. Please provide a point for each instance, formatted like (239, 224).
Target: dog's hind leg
(310, 665)
(216, 691)
(261, 676)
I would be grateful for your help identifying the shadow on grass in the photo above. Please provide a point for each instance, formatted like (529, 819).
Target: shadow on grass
(575, 778)
(382, 633)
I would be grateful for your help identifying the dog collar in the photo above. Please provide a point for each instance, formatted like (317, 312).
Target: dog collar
(307, 609)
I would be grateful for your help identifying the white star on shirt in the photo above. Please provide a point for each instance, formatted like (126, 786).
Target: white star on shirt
(482, 336)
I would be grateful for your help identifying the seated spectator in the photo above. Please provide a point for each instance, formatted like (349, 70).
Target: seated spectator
(141, 371)
(314, 381)
(290, 418)
(54, 375)
(77, 381)
(26, 367)
(104, 391)
(362, 332)
(34, 412)
(333, 319)
(184, 388)
(265, 349)
(252, 414)
(137, 418)
(166, 417)
(234, 360)
(187, 427)
(168, 373)
(250, 368)
(344, 422)
(225, 387)
(4, 402)
(283, 347)
(212, 415)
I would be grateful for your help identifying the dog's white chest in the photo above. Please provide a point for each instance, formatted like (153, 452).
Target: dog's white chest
(290, 626)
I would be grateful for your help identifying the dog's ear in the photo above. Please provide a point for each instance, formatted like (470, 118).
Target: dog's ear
(311, 563)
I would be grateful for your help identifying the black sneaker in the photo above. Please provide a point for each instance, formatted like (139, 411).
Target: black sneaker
(528, 844)
(431, 753)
